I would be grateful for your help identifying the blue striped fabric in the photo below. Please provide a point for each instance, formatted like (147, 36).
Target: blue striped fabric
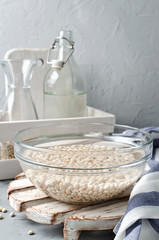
(141, 219)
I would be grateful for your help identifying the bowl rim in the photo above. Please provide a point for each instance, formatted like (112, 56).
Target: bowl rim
(142, 159)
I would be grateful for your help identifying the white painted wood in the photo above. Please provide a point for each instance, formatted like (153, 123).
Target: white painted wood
(103, 218)
(56, 212)
(52, 213)
(20, 176)
(112, 209)
(8, 129)
(71, 234)
(22, 200)
(19, 185)
(9, 168)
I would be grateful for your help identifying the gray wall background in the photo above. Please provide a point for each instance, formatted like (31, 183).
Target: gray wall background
(117, 44)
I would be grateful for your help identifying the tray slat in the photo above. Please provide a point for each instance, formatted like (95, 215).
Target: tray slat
(9, 128)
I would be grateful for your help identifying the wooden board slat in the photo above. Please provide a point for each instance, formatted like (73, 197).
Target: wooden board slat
(51, 213)
(56, 212)
(20, 176)
(21, 184)
(22, 200)
(103, 218)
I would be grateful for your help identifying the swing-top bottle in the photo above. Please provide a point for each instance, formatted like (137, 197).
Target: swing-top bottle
(64, 87)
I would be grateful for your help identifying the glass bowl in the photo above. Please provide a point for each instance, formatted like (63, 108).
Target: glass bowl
(82, 162)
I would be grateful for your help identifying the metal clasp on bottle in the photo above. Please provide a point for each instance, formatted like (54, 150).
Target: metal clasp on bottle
(59, 63)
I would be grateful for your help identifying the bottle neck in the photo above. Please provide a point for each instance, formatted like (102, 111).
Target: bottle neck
(65, 34)
(61, 49)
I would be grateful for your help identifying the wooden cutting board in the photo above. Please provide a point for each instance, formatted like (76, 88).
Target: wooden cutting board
(40, 208)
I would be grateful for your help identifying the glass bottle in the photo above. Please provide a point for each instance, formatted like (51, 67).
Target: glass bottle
(19, 104)
(64, 88)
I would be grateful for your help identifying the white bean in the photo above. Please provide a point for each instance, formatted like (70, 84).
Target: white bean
(31, 232)
(4, 210)
(12, 214)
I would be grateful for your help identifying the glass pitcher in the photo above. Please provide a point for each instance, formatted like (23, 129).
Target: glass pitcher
(19, 104)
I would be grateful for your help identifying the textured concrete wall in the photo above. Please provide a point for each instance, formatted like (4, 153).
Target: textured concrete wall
(117, 42)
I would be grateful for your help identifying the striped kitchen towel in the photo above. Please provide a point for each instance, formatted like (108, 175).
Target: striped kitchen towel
(141, 219)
